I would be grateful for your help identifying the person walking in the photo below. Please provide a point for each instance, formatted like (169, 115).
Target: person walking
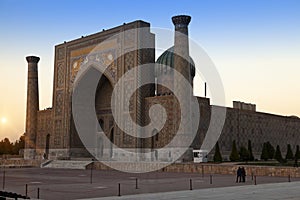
(238, 175)
(243, 174)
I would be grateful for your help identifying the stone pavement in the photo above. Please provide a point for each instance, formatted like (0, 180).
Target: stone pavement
(65, 184)
(286, 191)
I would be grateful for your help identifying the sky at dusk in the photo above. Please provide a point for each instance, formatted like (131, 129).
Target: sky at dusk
(255, 46)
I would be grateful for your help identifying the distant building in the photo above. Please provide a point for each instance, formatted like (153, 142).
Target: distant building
(244, 106)
(52, 132)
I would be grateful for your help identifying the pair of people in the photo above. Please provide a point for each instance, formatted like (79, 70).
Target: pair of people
(241, 175)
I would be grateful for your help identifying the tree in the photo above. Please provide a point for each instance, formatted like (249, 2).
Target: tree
(18, 145)
(264, 153)
(244, 154)
(268, 151)
(5, 146)
(289, 153)
(217, 155)
(278, 155)
(297, 154)
(271, 150)
(251, 157)
(234, 155)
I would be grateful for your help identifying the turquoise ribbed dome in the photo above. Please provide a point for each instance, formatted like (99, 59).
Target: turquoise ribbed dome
(167, 58)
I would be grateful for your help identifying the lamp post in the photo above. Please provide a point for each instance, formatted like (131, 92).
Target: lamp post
(92, 166)
(3, 181)
(3, 121)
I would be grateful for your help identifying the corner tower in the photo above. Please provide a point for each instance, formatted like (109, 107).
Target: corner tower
(32, 107)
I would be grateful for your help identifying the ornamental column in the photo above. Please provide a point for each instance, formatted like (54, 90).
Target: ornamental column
(32, 107)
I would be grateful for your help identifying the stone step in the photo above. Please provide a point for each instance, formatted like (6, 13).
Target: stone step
(66, 164)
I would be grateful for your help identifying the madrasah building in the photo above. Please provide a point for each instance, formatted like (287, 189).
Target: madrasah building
(52, 132)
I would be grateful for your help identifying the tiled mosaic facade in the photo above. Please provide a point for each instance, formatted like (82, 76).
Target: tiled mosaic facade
(56, 134)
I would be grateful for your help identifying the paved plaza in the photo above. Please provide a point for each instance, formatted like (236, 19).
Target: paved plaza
(63, 184)
(272, 191)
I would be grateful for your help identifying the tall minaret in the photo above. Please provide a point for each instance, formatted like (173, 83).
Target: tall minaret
(181, 46)
(32, 107)
(182, 63)
(183, 87)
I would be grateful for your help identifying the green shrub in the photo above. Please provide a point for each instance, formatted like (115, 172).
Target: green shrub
(278, 155)
(297, 154)
(244, 154)
(234, 155)
(289, 153)
(251, 157)
(217, 155)
(264, 153)
(271, 150)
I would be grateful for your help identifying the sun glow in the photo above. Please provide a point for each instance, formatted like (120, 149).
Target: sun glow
(3, 120)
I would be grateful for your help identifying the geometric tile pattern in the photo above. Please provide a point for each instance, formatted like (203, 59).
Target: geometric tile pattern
(240, 125)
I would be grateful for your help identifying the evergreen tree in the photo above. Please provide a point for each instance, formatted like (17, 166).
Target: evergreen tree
(234, 155)
(264, 153)
(297, 154)
(217, 155)
(278, 155)
(244, 154)
(271, 150)
(289, 153)
(251, 157)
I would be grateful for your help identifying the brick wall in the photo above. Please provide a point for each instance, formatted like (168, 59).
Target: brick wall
(15, 163)
(213, 169)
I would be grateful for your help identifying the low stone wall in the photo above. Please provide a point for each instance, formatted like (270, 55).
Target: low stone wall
(4, 156)
(213, 169)
(231, 169)
(200, 168)
(16, 163)
(128, 166)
